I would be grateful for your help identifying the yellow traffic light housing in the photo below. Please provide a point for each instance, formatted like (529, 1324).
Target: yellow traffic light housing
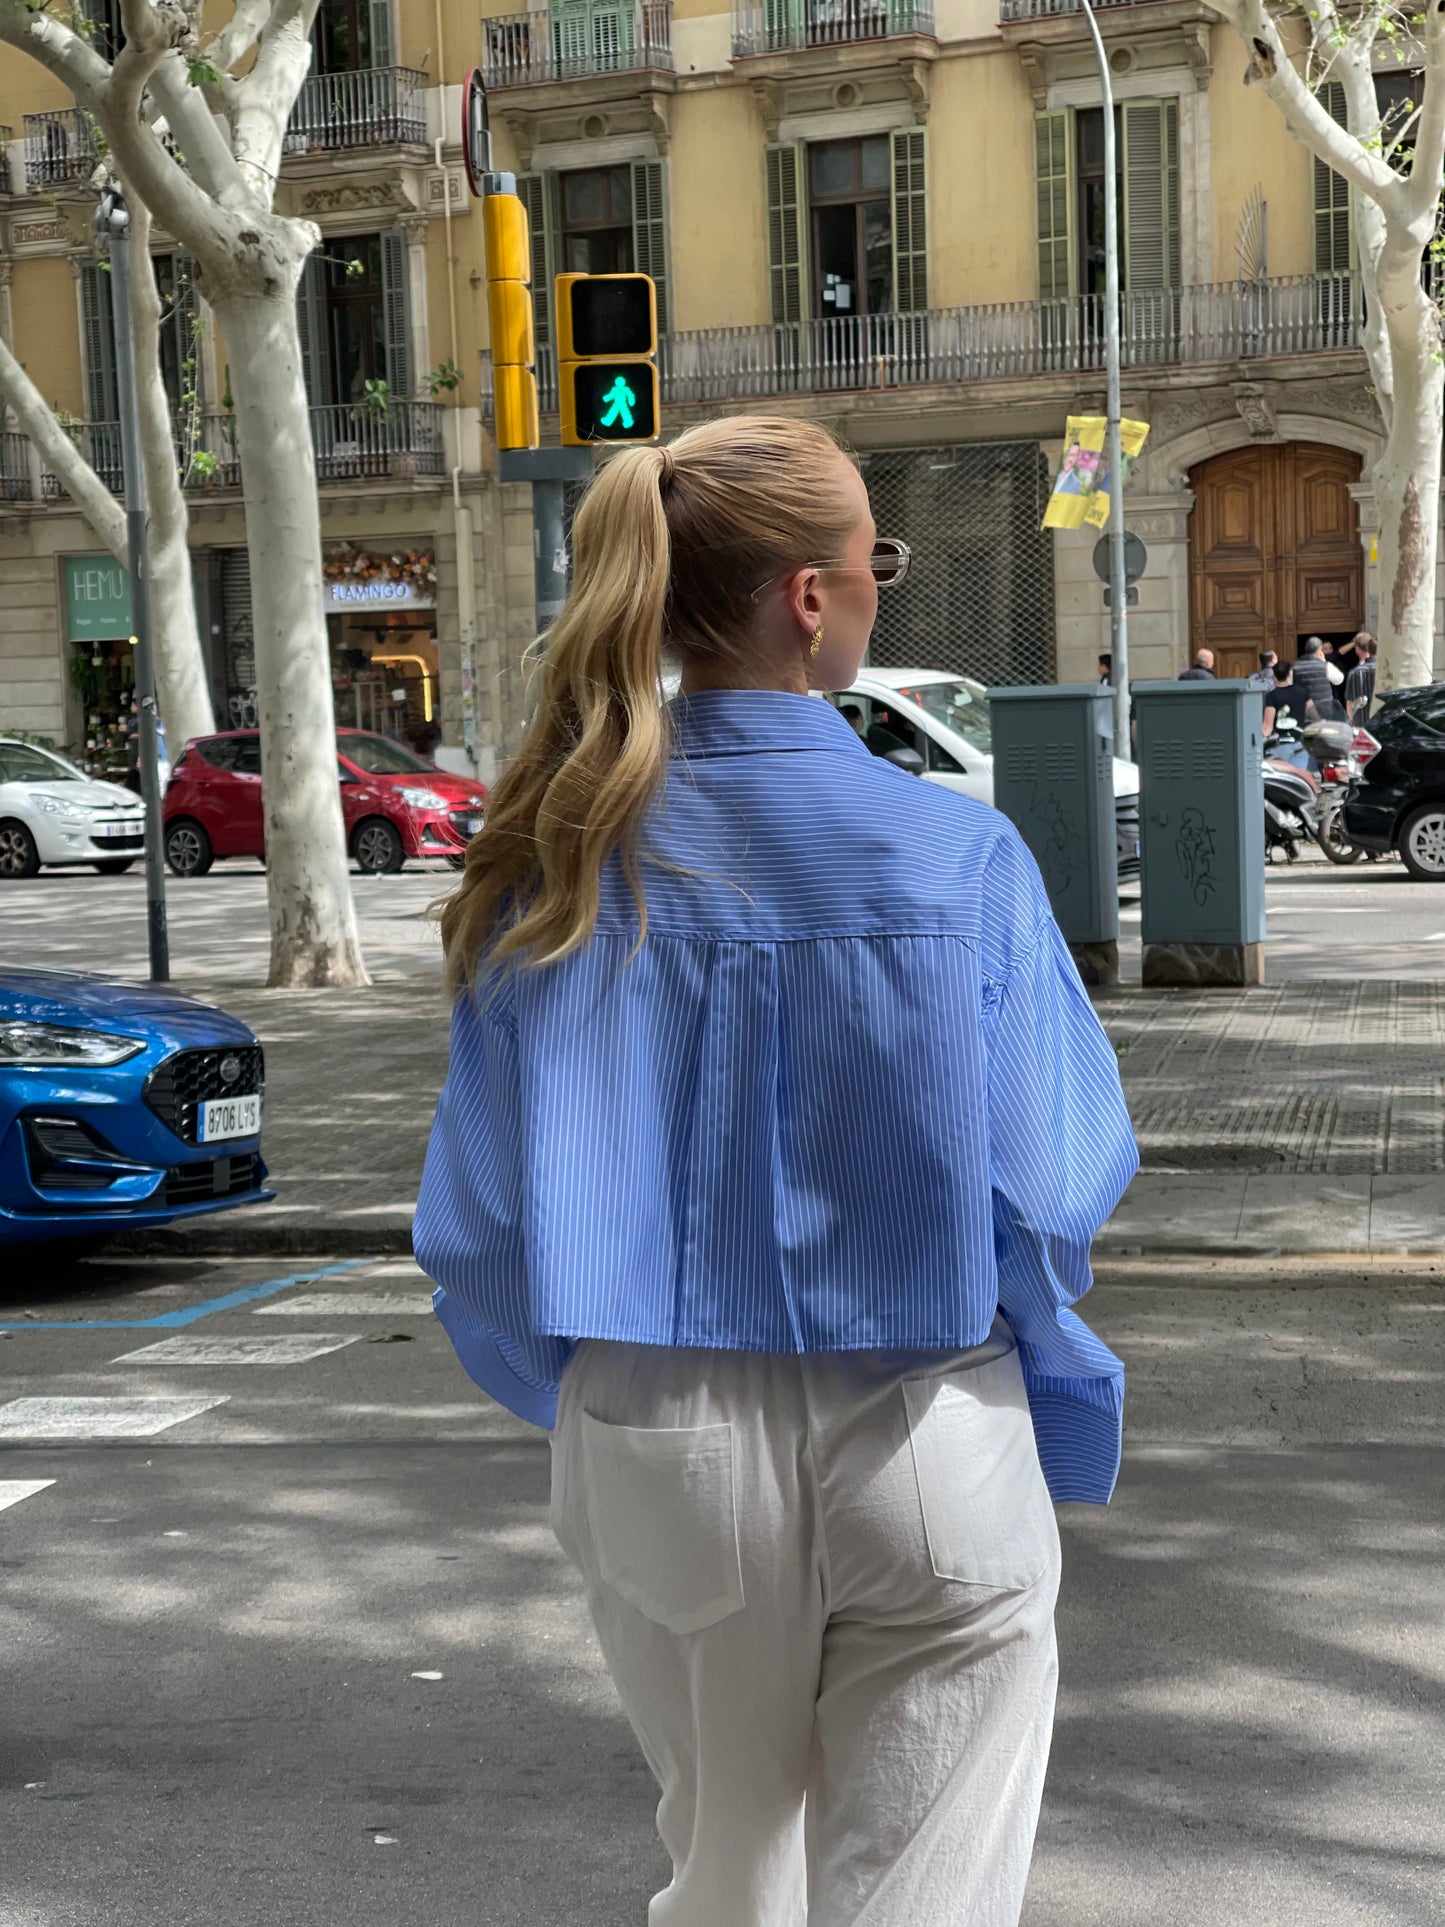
(509, 311)
(606, 344)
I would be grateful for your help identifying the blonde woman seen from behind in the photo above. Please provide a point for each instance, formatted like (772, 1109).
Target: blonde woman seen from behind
(777, 1130)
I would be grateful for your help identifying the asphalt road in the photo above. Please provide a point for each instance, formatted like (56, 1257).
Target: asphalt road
(1370, 920)
(310, 1655)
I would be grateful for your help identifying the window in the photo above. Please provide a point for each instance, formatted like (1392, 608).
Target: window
(356, 321)
(1089, 218)
(850, 201)
(1070, 182)
(180, 327)
(19, 763)
(351, 35)
(597, 221)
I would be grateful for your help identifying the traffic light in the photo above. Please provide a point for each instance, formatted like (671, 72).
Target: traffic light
(509, 307)
(606, 348)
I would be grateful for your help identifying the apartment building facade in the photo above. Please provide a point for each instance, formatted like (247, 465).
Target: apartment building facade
(887, 214)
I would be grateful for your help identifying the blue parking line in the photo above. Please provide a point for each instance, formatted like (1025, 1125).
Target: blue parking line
(173, 1320)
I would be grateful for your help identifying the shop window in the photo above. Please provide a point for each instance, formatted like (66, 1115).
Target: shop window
(597, 221)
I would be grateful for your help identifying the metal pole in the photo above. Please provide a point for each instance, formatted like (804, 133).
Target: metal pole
(549, 553)
(1118, 588)
(113, 224)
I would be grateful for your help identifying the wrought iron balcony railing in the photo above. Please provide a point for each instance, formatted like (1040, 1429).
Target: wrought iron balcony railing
(370, 107)
(352, 442)
(529, 49)
(782, 26)
(1050, 9)
(1225, 321)
(60, 147)
(6, 136)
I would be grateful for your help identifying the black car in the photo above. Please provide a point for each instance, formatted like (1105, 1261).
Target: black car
(1399, 802)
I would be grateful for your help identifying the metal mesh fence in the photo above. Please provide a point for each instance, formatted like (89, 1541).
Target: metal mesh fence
(979, 598)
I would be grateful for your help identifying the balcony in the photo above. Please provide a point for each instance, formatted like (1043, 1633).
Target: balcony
(371, 107)
(61, 148)
(1227, 322)
(1050, 9)
(352, 443)
(534, 49)
(794, 26)
(6, 136)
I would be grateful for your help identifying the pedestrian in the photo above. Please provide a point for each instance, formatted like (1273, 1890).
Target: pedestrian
(1106, 668)
(1288, 708)
(1202, 669)
(1360, 683)
(776, 1132)
(1264, 677)
(1312, 674)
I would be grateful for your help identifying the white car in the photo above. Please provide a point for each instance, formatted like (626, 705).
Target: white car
(52, 813)
(945, 720)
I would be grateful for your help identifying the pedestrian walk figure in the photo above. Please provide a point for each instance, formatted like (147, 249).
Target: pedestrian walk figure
(620, 401)
(804, 1447)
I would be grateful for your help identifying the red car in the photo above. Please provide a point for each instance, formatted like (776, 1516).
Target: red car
(395, 804)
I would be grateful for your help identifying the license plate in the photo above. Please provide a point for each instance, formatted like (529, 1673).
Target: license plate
(475, 825)
(224, 1117)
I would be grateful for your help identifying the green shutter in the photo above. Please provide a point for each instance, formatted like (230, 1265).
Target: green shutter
(102, 402)
(382, 39)
(314, 322)
(1151, 195)
(396, 312)
(785, 232)
(910, 221)
(538, 193)
(571, 25)
(649, 232)
(1054, 183)
(612, 37)
(1332, 197)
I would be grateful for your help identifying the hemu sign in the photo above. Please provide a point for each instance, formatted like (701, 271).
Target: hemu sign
(97, 599)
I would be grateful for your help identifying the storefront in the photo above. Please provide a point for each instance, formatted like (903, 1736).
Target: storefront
(381, 624)
(101, 660)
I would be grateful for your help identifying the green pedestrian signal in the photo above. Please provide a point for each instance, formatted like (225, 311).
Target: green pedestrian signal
(609, 401)
(621, 401)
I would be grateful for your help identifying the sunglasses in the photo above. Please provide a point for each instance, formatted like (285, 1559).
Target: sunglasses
(888, 564)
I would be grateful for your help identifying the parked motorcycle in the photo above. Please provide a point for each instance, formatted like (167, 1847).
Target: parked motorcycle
(1333, 745)
(1290, 807)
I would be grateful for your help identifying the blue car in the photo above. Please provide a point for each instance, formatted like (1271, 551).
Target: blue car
(121, 1106)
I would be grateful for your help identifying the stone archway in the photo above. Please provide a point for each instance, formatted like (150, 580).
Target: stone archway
(1274, 551)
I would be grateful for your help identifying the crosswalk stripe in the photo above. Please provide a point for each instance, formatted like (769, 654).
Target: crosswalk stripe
(332, 1304)
(292, 1348)
(12, 1491)
(99, 1418)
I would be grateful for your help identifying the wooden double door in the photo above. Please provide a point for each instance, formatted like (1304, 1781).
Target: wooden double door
(1274, 552)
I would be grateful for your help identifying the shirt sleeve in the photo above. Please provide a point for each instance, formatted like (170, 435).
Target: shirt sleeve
(1062, 1153)
(469, 1233)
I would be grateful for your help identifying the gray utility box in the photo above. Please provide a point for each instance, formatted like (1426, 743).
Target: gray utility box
(1201, 831)
(1053, 778)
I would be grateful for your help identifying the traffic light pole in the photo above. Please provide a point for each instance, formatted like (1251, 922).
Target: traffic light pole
(547, 469)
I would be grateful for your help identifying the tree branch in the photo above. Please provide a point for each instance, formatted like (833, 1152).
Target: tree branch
(207, 152)
(1422, 195)
(266, 95)
(63, 53)
(239, 35)
(61, 456)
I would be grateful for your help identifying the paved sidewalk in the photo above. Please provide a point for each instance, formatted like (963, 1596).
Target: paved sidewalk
(1289, 1119)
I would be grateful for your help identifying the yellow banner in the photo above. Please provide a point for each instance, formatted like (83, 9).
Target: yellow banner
(1081, 488)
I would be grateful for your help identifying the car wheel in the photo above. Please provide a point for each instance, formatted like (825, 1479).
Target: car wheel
(457, 861)
(377, 847)
(115, 866)
(18, 854)
(1422, 843)
(188, 848)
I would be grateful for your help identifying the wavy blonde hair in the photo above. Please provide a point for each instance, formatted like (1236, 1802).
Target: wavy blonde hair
(668, 546)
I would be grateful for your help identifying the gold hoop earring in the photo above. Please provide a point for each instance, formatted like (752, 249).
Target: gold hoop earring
(816, 644)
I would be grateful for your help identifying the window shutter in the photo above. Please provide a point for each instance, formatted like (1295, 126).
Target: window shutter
(538, 194)
(396, 312)
(571, 39)
(382, 40)
(102, 401)
(1054, 183)
(1151, 195)
(649, 232)
(1332, 197)
(910, 221)
(315, 327)
(785, 232)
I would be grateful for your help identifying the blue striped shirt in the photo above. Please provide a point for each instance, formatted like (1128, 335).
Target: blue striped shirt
(848, 1095)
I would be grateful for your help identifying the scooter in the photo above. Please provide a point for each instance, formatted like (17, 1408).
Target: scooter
(1291, 797)
(1341, 750)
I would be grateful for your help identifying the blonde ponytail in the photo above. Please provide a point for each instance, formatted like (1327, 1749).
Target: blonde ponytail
(668, 546)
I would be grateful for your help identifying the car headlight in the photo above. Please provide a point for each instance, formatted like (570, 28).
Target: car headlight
(56, 1046)
(423, 799)
(53, 806)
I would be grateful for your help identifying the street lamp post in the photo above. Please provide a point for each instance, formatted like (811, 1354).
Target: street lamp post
(112, 223)
(1118, 586)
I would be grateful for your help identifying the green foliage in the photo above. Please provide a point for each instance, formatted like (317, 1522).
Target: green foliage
(205, 466)
(444, 379)
(201, 71)
(377, 396)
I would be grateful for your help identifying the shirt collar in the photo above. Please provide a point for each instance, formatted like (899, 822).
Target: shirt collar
(746, 722)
